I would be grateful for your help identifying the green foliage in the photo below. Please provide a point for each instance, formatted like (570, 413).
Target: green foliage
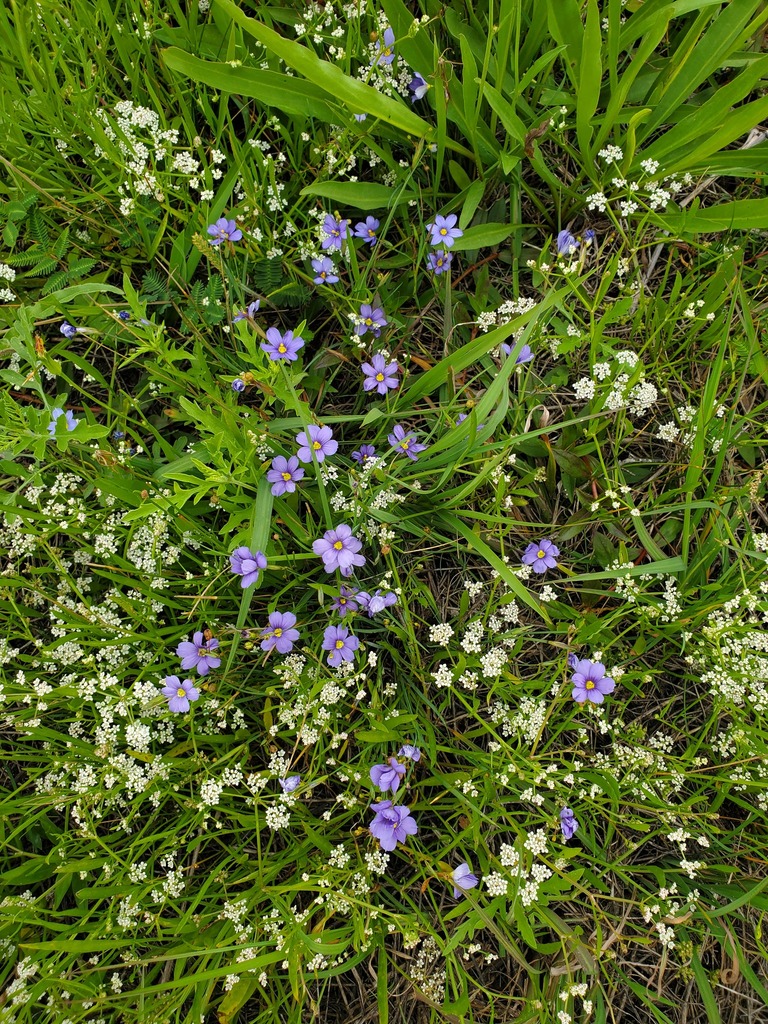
(152, 868)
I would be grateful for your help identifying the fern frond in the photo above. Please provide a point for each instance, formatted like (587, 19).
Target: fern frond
(55, 282)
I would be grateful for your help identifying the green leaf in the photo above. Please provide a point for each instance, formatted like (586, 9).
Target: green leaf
(588, 93)
(472, 200)
(358, 96)
(506, 112)
(739, 215)
(699, 56)
(468, 86)
(292, 95)
(482, 235)
(360, 195)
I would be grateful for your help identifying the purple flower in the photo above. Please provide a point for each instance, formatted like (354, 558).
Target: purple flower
(409, 751)
(248, 564)
(573, 661)
(338, 550)
(568, 823)
(367, 229)
(68, 330)
(320, 443)
(238, 385)
(179, 694)
(388, 776)
(589, 236)
(325, 272)
(566, 243)
(439, 261)
(541, 555)
(282, 346)
(340, 643)
(247, 314)
(69, 418)
(345, 601)
(418, 87)
(444, 231)
(525, 355)
(284, 475)
(392, 825)
(462, 416)
(280, 634)
(590, 682)
(370, 320)
(385, 54)
(463, 879)
(199, 653)
(364, 452)
(224, 231)
(406, 443)
(360, 117)
(291, 783)
(335, 230)
(380, 374)
(124, 315)
(375, 602)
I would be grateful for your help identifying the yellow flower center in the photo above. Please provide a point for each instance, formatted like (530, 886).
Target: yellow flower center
(589, 685)
(368, 322)
(404, 444)
(277, 632)
(202, 652)
(317, 445)
(339, 644)
(338, 545)
(540, 553)
(379, 376)
(443, 231)
(286, 476)
(181, 692)
(281, 348)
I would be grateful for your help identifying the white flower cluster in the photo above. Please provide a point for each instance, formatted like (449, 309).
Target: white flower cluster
(135, 141)
(626, 391)
(629, 196)
(440, 633)
(506, 312)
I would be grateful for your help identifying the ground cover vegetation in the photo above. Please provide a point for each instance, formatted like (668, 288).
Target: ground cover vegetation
(383, 538)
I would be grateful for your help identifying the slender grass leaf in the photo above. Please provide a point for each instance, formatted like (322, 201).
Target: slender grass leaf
(697, 57)
(458, 527)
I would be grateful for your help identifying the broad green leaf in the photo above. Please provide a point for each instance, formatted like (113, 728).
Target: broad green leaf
(566, 27)
(360, 195)
(472, 200)
(468, 86)
(739, 215)
(507, 114)
(293, 95)
(588, 93)
(358, 96)
(482, 235)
